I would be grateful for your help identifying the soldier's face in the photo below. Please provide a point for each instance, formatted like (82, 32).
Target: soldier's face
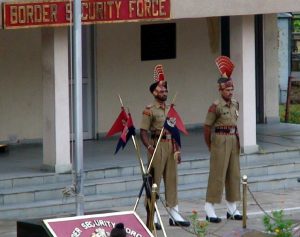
(227, 93)
(162, 95)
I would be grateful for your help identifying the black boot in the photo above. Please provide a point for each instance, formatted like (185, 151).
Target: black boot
(179, 223)
(213, 219)
(157, 226)
(236, 217)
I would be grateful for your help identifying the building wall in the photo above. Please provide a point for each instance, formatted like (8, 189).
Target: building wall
(120, 71)
(21, 85)
(208, 8)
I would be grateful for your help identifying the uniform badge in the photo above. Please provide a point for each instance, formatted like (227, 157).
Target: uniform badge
(237, 113)
(171, 122)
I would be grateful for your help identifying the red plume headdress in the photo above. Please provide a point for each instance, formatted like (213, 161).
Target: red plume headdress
(159, 79)
(225, 66)
(159, 73)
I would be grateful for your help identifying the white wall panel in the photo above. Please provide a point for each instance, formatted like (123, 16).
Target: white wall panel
(20, 85)
(120, 71)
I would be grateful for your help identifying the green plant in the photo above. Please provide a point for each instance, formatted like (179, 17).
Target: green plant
(199, 228)
(277, 225)
(296, 24)
(294, 114)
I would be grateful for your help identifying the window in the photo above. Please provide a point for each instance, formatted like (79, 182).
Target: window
(158, 41)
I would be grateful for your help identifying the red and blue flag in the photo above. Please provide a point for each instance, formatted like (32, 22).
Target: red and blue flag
(174, 124)
(128, 131)
(119, 124)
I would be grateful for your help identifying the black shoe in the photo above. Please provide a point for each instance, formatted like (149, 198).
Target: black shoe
(237, 217)
(179, 223)
(213, 219)
(157, 226)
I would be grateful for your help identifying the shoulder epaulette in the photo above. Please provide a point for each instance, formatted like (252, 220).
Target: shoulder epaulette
(216, 102)
(212, 108)
(236, 103)
(149, 106)
(147, 110)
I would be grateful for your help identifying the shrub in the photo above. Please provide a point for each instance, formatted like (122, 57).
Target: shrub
(277, 225)
(199, 228)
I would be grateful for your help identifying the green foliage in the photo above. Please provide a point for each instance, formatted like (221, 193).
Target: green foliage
(296, 25)
(294, 114)
(277, 225)
(199, 228)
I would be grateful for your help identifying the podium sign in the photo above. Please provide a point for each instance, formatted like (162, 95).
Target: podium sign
(99, 225)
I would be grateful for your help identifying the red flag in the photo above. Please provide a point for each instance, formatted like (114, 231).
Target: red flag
(179, 124)
(119, 124)
(128, 131)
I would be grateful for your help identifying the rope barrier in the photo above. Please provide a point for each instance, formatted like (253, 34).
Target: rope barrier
(295, 226)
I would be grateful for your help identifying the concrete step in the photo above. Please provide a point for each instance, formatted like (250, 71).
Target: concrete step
(112, 201)
(96, 186)
(256, 183)
(107, 188)
(269, 157)
(52, 178)
(188, 163)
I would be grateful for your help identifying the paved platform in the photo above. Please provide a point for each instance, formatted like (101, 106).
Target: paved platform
(26, 160)
(287, 200)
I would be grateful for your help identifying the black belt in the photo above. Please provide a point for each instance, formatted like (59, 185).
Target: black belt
(167, 136)
(226, 130)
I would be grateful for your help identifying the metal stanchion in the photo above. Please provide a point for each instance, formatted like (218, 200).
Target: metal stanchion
(245, 184)
(152, 208)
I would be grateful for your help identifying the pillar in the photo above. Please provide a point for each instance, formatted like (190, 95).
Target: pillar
(56, 121)
(242, 53)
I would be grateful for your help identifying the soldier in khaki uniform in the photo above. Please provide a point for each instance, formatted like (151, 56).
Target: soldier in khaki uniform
(224, 147)
(167, 156)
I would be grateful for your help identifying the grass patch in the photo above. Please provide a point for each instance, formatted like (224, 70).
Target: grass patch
(294, 113)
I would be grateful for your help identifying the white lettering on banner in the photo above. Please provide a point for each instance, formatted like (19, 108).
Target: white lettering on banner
(76, 232)
(101, 223)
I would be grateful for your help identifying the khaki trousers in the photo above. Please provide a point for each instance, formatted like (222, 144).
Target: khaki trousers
(164, 166)
(224, 169)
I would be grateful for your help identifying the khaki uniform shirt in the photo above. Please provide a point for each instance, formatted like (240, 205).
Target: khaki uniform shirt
(222, 114)
(154, 117)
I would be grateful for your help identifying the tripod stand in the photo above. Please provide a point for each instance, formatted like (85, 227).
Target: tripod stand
(150, 189)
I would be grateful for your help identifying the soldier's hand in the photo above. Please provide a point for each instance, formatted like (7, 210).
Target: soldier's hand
(150, 150)
(177, 157)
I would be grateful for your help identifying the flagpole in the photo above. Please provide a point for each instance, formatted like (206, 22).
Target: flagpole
(154, 152)
(174, 98)
(159, 138)
(143, 170)
(137, 153)
(137, 150)
(121, 101)
(77, 67)
(134, 142)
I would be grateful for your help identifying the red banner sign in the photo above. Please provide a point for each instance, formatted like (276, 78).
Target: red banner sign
(97, 225)
(59, 12)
